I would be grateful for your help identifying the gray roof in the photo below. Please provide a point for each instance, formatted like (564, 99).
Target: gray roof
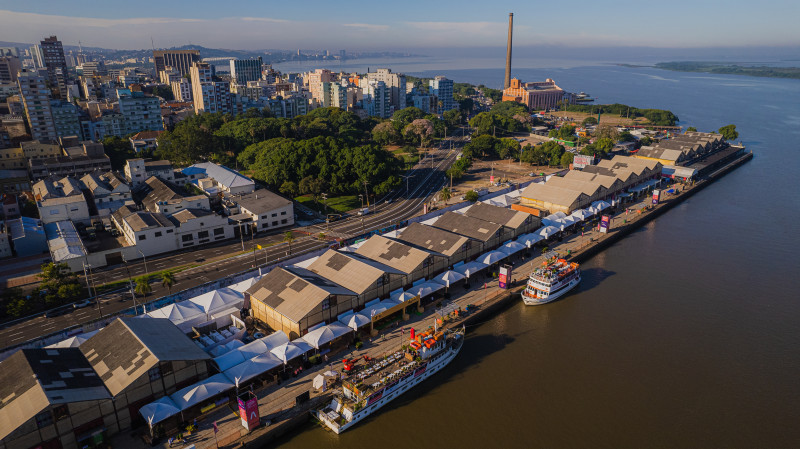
(33, 379)
(395, 254)
(224, 175)
(294, 292)
(55, 187)
(499, 215)
(142, 220)
(185, 215)
(467, 226)
(552, 194)
(261, 201)
(158, 191)
(127, 348)
(433, 239)
(350, 270)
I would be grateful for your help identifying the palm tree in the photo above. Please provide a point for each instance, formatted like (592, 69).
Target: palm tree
(288, 237)
(143, 286)
(168, 280)
(445, 194)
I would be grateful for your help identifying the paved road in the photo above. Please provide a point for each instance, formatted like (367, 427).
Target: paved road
(218, 262)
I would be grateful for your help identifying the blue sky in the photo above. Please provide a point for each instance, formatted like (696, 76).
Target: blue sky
(412, 24)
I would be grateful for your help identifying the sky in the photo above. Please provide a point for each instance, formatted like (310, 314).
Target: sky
(401, 26)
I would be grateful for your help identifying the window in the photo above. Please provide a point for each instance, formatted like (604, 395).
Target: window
(166, 368)
(169, 231)
(219, 231)
(142, 237)
(44, 419)
(154, 373)
(275, 215)
(187, 238)
(284, 221)
(265, 225)
(158, 233)
(60, 412)
(202, 234)
(283, 213)
(275, 223)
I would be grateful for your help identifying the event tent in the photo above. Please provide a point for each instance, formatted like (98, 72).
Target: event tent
(448, 277)
(582, 214)
(548, 231)
(401, 296)
(245, 284)
(470, 268)
(425, 289)
(159, 410)
(199, 392)
(74, 341)
(326, 334)
(511, 248)
(529, 239)
(289, 351)
(492, 257)
(179, 312)
(226, 348)
(600, 205)
(354, 320)
(217, 300)
(252, 367)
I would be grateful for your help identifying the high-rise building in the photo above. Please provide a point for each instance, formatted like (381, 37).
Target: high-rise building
(315, 80)
(94, 68)
(209, 95)
(140, 112)
(9, 51)
(9, 68)
(443, 89)
(66, 118)
(36, 57)
(244, 70)
(181, 89)
(395, 82)
(36, 100)
(182, 60)
(56, 64)
(376, 99)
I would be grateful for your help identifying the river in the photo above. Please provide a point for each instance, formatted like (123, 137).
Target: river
(685, 334)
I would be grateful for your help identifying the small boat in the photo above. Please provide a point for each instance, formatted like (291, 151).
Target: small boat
(551, 281)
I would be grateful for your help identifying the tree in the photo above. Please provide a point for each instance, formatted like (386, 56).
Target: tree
(591, 120)
(466, 105)
(729, 132)
(118, 150)
(404, 117)
(288, 237)
(445, 195)
(691, 129)
(483, 146)
(606, 131)
(384, 133)
(164, 92)
(507, 148)
(143, 286)
(422, 128)
(289, 188)
(626, 136)
(168, 280)
(453, 118)
(58, 285)
(605, 145)
(510, 108)
(567, 159)
(471, 196)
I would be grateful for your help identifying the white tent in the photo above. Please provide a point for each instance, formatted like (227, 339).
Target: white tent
(425, 289)
(325, 334)
(251, 368)
(582, 214)
(373, 310)
(529, 239)
(275, 339)
(548, 231)
(492, 257)
(600, 205)
(74, 341)
(199, 392)
(354, 320)
(401, 296)
(217, 300)
(288, 351)
(178, 312)
(511, 248)
(226, 348)
(245, 284)
(468, 269)
(318, 382)
(159, 410)
(229, 359)
(448, 278)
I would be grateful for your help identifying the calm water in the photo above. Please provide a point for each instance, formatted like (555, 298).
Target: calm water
(685, 334)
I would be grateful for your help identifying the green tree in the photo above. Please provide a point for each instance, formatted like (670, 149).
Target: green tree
(589, 121)
(729, 132)
(481, 146)
(453, 118)
(691, 129)
(168, 280)
(164, 92)
(118, 150)
(404, 117)
(421, 128)
(567, 158)
(466, 105)
(289, 188)
(508, 148)
(626, 136)
(471, 196)
(58, 285)
(384, 133)
(288, 237)
(445, 195)
(142, 286)
(510, 108)
(605, 145)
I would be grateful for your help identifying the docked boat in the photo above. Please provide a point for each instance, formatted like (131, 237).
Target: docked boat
(376, 384)
(551, 281)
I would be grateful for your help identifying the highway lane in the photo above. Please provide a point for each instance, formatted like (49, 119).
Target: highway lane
(427, 179)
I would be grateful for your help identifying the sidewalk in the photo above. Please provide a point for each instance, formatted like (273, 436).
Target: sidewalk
(277, 402)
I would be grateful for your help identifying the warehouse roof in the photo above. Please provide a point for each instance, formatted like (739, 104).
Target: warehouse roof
(468, 226)
(498, 215)
(433, 239)
(397, 255)
(350, 270)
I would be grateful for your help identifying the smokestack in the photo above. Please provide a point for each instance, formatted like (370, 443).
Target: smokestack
(508, 50)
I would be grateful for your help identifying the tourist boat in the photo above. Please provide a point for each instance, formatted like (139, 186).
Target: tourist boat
(375, 385)
(551, 281)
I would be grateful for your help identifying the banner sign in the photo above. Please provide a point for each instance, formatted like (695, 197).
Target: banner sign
(656, 196)
(504, 271)
(248, 411)
(605, 221)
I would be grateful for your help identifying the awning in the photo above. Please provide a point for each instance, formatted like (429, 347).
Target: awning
(529, 239)
(673, 171)
(581, 214)
(548, 231)
(468, 269)
(448, 277)
(426, 289)
(159, 410)
(289, 351)
(600, 205)
(401, 296)
(217, 300)
(252, 367)
(74, 341)
(245, 284)
(326, 334)
(492, 257)
(178, 312)
(354, 320)
(199, 392)
(511, 248)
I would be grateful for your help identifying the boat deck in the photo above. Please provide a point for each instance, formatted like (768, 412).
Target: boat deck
(381, 371)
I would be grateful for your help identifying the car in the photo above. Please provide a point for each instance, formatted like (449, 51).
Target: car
(82, 304)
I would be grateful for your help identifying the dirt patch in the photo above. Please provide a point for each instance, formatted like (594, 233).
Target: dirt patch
(605, 119)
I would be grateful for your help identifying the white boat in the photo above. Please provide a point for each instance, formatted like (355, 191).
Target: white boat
(551, 281)
(374, 386)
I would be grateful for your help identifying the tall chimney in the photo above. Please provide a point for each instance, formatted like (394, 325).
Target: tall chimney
(508, 50)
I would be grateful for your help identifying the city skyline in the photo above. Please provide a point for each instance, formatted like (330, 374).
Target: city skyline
(443, 24)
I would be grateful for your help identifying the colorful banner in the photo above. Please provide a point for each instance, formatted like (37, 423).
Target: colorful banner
(605, 222)
(656, 196)
(248, 411)
(504, 271)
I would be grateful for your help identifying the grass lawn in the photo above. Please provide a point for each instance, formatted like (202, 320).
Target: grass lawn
(338, 204)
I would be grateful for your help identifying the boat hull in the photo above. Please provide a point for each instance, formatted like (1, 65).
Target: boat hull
(552, 297)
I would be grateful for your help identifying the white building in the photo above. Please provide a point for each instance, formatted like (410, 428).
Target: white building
(181, 89)
(36, 100)
(267, 210)
(376, 99)
(109, 190)
(194, 227)
(214, 179)
(442, 88)
(60, 199)
(151, 233)
(209, 95)
(167, 198)
(395, 83)
(137, 171)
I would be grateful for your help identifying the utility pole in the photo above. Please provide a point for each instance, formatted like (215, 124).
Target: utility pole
(366, 192)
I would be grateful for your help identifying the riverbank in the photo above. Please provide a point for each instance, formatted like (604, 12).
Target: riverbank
(277, 402)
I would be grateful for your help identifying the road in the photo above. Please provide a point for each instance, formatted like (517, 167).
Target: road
(228, 259)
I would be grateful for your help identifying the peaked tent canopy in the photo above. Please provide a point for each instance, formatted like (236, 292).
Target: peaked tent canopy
(177, 312)
(159, 410)
(288, 351)
(251, 368)
(492, 257)
(401, 296)
(245, 284)
(511, 248)
(582, 214)
(74, 341)
(217, 300)
(326, 334)
(548, 231)
(199, 392)
(468, 269)
(426, 289)
(354, 320)
(529, 239)
(448, 277)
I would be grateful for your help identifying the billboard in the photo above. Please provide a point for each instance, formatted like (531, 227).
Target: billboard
(605, 222)
(505, 270)
(248, 411)
(656, 196)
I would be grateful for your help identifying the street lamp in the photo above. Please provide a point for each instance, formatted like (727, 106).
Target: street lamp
(361, 197)
(143, 259)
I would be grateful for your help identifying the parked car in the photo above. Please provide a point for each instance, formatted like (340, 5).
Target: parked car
(82, 304)
(58, 311)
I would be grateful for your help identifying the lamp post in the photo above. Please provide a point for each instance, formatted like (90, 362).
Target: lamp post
(361, 197)
(325, 200)
(145, 261)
